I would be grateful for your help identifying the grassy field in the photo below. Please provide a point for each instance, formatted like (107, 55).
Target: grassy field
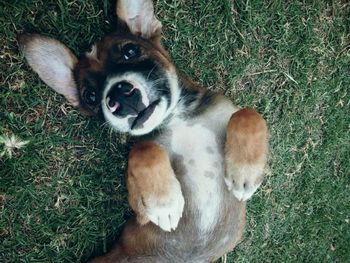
(63, 195)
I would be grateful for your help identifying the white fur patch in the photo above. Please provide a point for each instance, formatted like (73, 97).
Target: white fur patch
(166, 211)
(244, 194)
(174, 90)
(154, 120)
(241, 180)
(192, 142)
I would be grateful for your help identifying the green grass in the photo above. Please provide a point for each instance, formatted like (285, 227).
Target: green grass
(63, 195)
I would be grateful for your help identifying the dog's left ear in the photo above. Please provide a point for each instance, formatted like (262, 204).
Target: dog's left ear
(54, 63)
(139, 17)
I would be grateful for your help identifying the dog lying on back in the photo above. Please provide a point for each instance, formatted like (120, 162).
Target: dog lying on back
(199, 157)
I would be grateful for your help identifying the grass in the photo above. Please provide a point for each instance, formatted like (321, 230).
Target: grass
(63, 196)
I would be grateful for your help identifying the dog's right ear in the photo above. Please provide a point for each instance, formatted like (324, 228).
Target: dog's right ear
(54, 63)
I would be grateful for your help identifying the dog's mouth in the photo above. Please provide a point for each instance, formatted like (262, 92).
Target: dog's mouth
(144, 115)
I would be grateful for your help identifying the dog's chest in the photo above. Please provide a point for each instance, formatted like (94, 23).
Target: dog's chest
(197, 157)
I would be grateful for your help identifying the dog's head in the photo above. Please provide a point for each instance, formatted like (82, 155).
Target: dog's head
(127, 75)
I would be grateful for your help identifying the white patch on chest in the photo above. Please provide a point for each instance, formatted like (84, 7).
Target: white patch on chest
(198, 147)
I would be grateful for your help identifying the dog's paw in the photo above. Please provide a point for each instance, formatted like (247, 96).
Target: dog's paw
(166, 211)
(154, 192)
(245, 153)
(242, 184)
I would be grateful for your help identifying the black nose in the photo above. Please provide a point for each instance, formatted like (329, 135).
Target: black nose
(124, 99)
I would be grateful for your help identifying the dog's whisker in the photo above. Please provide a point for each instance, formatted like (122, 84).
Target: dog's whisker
(149, 74)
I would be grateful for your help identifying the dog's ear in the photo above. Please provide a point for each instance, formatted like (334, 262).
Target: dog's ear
(54, 63)
(139, 17)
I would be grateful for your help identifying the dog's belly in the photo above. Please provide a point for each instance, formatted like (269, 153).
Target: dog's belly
(197, 159)
(213, 219)
(212, 215)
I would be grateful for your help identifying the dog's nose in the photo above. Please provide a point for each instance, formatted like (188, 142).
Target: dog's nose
(123, 99)
(116, 94)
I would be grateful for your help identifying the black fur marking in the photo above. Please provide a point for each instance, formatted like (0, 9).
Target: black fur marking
(144, 66)
(189, 97)
(205, 101)
(94, 81)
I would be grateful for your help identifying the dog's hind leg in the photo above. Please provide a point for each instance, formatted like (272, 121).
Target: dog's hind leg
(245, 152)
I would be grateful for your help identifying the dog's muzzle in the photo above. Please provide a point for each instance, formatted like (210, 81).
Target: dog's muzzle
(125, 100)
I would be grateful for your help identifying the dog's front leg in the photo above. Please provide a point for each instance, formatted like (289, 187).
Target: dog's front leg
(154, 192)
(245, 152)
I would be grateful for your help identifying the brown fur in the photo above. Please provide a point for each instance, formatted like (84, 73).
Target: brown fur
(149, 172)
(247, 131)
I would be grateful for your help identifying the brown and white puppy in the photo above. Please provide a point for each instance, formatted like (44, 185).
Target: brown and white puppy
(199, 157)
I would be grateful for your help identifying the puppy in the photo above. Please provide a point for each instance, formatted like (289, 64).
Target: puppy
(199, 157)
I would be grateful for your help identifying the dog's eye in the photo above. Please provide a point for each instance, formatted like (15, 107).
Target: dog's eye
(90, 97)
(130, 51)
